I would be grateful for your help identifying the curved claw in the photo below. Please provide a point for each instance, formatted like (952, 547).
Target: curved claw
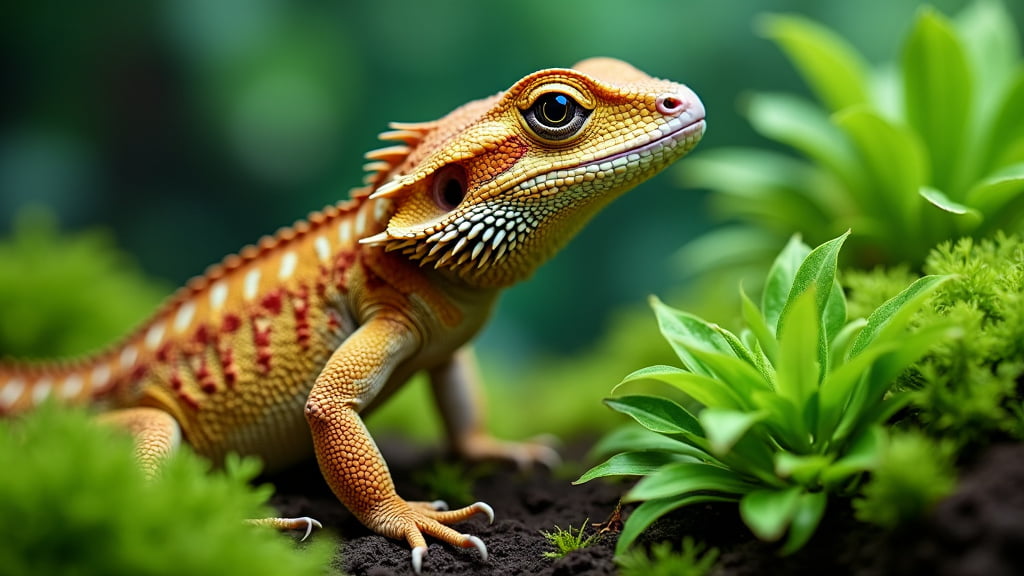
(486, 509)
(417, 558)
(310, 524)
(479, 545)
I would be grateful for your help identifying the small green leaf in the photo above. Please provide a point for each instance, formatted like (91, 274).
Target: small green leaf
(735, 373)
(999, 190)
(831, 67)
(937, 93)
(809, 510)
(708, 391)
(755, 321)
(942, 202)
(769, 512)
(782, 413)
(724, 428)
(682, 478)
(630, 464)
(890, 319)
(804, 469)
(657, 414)
(687, 333)
(648, 512)
(864, 454)
(799, 367)
(631, 437)
(817, 269)
(780, 281)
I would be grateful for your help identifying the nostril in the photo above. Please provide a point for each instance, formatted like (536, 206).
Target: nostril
(670, 104)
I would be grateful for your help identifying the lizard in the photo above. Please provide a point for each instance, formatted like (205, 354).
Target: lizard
(280, 350)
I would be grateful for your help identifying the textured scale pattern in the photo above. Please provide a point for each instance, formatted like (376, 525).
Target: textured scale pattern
(295, 338)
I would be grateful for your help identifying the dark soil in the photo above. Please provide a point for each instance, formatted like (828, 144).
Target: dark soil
(979, 530)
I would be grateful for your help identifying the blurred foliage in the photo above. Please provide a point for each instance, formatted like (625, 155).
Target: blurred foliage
(905, 154)
(967, 389)
(914, 473)
(65, 295)
(693, 559)
(91, 511)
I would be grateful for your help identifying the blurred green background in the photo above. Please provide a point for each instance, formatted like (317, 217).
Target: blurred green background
(189, 128)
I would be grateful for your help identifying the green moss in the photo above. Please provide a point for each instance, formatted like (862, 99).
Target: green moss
(692, 560)
(74, 502)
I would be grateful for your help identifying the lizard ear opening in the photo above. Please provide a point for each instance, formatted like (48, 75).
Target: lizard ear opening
(449, 186)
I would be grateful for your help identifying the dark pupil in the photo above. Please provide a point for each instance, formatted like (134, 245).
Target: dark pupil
(554, 110)
(452, 192)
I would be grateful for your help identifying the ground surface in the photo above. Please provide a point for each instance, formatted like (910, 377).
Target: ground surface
(977, 531)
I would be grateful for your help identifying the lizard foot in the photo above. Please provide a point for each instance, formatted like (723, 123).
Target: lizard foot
(431, 519)
(538, 450)
(303, 523)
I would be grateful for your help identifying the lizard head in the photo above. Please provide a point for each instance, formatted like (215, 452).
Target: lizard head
(495, 188)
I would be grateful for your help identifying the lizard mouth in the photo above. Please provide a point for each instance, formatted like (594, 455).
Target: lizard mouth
(679, 130)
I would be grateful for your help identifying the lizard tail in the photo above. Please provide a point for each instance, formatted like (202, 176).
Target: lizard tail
(24, 385)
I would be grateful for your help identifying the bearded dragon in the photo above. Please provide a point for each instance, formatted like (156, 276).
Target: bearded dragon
(279, 350)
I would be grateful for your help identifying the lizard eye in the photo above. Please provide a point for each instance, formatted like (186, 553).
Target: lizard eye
(449, 187)
(555, 116)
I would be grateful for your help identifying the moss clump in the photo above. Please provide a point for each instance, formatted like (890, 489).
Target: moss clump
(74, 502)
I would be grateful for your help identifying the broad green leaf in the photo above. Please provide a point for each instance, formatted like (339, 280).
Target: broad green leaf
(780, 281)
(834, 316)
(937, 93)
(631, 464)
(895, 164)
(840, 386)
(708, 391)
(724, 428)
(804, 469)
(806, 128)
(892, 317)
(991, 45)
(755, 321)
(682, 478)
(1005, 138)
(649, 511)
(839, 348)
(834, 71)
(809, 510)
(864, 455)
(728, 248)
(799, 363)
(992, 194)
(687, 333)
(657, 414)
(633, 437)
(768, 512)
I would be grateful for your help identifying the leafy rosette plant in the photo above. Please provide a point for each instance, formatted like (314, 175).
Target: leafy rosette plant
(777, 417)
(910, 153)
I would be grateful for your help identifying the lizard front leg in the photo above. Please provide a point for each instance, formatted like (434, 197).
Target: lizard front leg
(460, 399)
(348, 457)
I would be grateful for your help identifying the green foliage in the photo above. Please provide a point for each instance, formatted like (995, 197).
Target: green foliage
(967, 389)
(907, 155)
(913, 474)
(780, 415)
(692, 560)
(448, 481)
(74, 501)
(566, 541)
(66, 295)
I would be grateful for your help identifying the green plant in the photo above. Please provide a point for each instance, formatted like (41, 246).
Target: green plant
(64, 295)
(777, 417)
(74, 501)
(662, 560)
(967, 389)
(566, 541)
(907, 155)
(448, 481)
(912, 475)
